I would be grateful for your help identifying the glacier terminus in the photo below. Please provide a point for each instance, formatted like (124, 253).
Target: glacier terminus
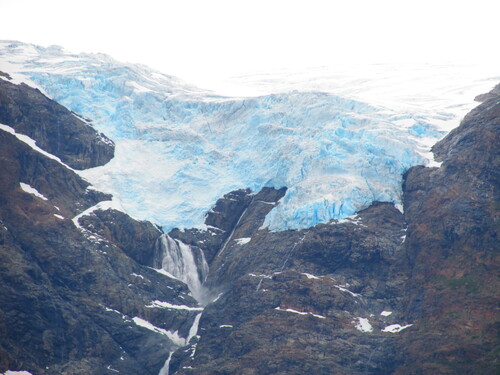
(179, 148)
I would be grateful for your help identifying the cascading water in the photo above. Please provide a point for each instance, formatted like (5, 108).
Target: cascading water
(189, 266)
(183, 263)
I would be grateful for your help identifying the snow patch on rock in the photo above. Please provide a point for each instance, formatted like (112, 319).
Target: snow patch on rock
(167, 305)
(32, 143)
(173, 336)
(243, 240)
(31, 190)
(301, 312)
(363, 325)
(395, 328)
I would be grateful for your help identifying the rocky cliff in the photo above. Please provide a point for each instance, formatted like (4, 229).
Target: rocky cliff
(55, 129)
(381, 292)
(453, 248)
(79, 294)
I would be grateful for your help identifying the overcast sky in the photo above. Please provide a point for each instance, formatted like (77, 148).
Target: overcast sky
(194, 39)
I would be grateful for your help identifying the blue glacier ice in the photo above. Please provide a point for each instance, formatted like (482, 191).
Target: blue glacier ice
(180, 148)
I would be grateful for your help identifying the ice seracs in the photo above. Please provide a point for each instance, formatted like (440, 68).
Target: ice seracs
(336, 151)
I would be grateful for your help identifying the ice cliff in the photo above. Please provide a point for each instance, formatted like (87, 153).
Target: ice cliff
(180, 148)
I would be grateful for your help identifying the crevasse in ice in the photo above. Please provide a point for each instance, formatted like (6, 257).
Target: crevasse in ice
(179, 148)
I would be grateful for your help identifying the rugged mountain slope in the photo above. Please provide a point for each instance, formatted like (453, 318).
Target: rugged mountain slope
(299, 302)
(378, 294)
(55, 129)
(76, 296)
(453, 248)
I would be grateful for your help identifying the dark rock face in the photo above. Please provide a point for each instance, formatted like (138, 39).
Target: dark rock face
(289, 302)
(226, 216)
(136, 238)
(56, 130)
(76, 300)
(453, 248)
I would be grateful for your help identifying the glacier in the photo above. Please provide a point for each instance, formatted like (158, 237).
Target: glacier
(179, 148)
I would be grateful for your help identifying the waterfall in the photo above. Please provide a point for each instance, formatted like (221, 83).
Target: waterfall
(184, 263)
(165, 368)
(188, 265)
(194, 328)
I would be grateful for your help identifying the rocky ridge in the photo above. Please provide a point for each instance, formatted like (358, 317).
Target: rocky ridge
(453, 249)
(55, 129)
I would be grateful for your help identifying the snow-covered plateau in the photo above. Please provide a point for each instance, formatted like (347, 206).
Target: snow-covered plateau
(339, 137)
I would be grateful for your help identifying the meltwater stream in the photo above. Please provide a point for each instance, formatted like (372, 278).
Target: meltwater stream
(188, 265)
(184, 263)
